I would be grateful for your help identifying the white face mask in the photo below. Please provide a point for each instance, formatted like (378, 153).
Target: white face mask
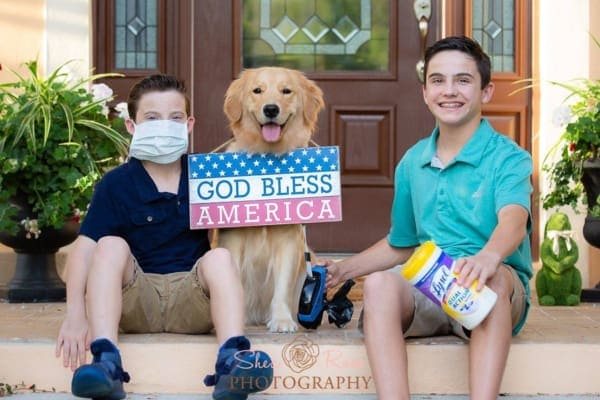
(161, 141)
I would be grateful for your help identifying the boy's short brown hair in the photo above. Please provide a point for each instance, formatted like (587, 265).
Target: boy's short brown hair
(155, 83)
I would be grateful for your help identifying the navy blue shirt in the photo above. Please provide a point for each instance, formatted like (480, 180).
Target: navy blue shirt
(126, 203)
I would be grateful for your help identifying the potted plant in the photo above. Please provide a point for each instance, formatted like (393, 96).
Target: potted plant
(56, 141)
(573, 163)
(576, 151)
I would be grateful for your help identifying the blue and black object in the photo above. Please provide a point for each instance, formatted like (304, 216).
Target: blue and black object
(312, 297)
(340, 308)
(313, 301)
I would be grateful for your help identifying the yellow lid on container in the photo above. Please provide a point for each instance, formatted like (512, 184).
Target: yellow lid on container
(418, 259)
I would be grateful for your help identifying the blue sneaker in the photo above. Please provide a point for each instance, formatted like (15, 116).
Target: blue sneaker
(103, 378)
(240, 371)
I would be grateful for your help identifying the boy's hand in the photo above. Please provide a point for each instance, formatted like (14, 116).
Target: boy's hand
(334, 274)
(73, 341)
(481, 267)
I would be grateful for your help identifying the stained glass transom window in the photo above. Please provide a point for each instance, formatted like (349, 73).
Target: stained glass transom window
(494, 28)
(316, 35)
(136, 34)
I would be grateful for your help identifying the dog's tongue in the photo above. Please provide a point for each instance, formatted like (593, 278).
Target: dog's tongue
(271, 132)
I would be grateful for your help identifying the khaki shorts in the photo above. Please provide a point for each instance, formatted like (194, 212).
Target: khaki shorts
(172, 302)
(431, 320)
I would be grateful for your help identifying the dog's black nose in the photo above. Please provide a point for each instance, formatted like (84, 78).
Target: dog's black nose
(271, 110)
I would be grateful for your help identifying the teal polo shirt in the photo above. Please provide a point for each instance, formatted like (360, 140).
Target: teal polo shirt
(457, 206)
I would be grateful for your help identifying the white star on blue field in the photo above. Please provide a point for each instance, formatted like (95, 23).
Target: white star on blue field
(233, 164)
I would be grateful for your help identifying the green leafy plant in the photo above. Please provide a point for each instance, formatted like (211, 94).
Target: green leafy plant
(6, 389)
(21, 388)
(56, 141)
(580, 141)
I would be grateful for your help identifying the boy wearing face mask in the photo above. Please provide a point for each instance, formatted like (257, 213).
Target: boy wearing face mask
(136, 267)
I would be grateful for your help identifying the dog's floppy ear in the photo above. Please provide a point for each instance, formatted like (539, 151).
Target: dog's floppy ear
(233, 98)
(313, 101)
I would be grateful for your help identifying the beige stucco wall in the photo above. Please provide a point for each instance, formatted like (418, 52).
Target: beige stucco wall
(22, 29)
(69, 34)
(51, 31)
(565, 53)
(594, 19)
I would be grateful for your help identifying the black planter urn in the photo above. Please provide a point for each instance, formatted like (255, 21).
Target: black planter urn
(36, 278)
(590, 178)
(591, 228)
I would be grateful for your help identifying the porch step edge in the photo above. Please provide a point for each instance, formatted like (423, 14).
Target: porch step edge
(177, 367)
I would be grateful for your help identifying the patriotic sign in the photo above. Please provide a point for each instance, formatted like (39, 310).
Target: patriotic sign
(239, 189)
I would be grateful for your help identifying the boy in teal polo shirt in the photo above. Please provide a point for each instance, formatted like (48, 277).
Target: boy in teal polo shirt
(467, 188)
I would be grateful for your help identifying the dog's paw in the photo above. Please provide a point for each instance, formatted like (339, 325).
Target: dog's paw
(282, 325)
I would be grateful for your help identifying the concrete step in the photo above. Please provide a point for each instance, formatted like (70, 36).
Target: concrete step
(556, 354)
(260, 396)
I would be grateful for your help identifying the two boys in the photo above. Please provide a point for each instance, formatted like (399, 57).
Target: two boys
(466, 187)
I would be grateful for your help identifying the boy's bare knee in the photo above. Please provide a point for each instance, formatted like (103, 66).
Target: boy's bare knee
(219, 255)
(377, 286)
(112, 251)
(502, 283)
(373, 282)
(216, 261)
(112, 245)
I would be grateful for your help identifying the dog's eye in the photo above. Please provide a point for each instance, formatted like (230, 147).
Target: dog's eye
(286, 91)
(257, 90)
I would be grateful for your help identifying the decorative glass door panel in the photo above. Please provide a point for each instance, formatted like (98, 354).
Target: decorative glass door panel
(316, 35)
(136, 34)
(493, 26)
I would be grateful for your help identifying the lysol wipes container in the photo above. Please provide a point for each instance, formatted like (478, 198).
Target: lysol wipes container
(430, 270)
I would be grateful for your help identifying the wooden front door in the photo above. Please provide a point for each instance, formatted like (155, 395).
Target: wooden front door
(374, 108)
(362, 53)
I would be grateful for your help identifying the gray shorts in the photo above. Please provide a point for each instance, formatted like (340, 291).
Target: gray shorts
(430, 320)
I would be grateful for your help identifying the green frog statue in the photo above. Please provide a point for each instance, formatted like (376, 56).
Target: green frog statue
(558, 282)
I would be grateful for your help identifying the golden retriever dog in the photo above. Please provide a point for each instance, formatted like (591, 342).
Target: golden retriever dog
(270, 110)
